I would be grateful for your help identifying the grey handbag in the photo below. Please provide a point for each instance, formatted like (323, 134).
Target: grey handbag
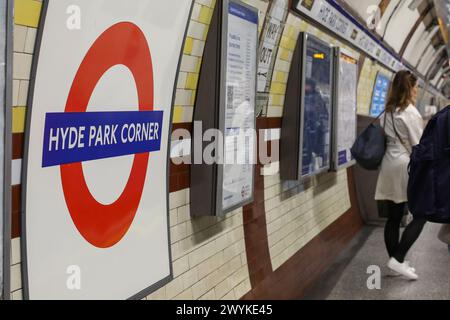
(444, 234)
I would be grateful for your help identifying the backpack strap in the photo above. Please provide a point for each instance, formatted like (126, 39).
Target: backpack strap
(396, 132)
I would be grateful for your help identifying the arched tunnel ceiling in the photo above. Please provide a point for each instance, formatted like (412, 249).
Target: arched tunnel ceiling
(417, 30)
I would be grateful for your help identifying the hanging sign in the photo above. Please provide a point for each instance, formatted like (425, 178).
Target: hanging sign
(334, 18)
(268, 48)
(96, 206)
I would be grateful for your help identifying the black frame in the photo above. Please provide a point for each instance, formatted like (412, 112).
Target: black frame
(292, 131)
(25, 281)
(207, 180)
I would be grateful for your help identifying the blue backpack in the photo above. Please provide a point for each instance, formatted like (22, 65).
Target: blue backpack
(429, 172)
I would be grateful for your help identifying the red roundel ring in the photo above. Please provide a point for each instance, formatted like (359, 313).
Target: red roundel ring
(104, 226)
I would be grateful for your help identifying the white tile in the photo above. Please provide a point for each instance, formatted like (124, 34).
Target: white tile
(16, 172)
(183, 97)
(180, 266)
(16, 278)
(196, 30)
(17, 295)
(20, 35)
(30, 40)
(272, 134)
(15, 251)
(179, 199)
(174, 288)
(22, 66)
(16, 87)
(189, 64)
(23, 93)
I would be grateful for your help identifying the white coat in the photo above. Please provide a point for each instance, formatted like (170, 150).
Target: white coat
(393, 179)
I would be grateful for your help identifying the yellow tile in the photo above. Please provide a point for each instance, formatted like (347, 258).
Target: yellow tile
(192, 81)
(194, 94)
(18, 118)
(27, 12)
(177, 114)
(290, 31)
(205, 15)
(277, 100)
(199, 65)
(278, 88)
(284, 42)
(188, 45)
(205, 34)
(280, 77)
(284, 54)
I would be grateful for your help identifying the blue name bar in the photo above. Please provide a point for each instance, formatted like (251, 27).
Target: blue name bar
(86, 136)
(243, 12)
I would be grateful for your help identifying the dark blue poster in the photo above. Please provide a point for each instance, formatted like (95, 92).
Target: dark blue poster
(379, 97)
(317, 108)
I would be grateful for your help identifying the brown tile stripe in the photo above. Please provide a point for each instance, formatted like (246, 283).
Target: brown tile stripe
(18, 146)
(179, 174)
(298, 274)
(16, 211)
(180, 177)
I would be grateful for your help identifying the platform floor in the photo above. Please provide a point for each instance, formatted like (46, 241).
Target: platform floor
(347, 277)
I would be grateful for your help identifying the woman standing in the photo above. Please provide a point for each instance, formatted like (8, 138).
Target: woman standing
(404, 127)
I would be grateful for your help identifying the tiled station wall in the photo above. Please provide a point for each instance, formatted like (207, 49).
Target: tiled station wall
(251, 249)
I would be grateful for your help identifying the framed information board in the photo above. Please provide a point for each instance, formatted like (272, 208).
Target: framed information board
(307, 117)
(345, 110)
(316, 107)
(238, 113)
(225, 106)
(6, 27)
(379, 96)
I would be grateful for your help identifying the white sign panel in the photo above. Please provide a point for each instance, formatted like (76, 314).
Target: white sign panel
(273, 30)
(346, 113)
(96, 212)
(240, 105)
(331, 16)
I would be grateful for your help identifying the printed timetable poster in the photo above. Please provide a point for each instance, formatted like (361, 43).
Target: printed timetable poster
(380, 92)
(240, 105)
(346, 113)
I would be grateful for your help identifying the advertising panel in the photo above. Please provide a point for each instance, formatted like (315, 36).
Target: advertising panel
(317, 107)
(380, 94)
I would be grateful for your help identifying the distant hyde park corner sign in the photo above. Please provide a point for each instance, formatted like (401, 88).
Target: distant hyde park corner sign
(96, 207)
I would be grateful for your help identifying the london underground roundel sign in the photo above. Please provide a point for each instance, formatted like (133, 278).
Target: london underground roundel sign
(95, 221)
(105, 225)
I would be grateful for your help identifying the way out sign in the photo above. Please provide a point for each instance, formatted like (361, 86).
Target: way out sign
(96, 207)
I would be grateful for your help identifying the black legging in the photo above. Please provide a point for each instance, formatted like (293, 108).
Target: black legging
(399, 248)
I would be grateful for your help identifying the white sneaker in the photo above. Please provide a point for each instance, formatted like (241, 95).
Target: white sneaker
(409, 266)
(402, 268)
